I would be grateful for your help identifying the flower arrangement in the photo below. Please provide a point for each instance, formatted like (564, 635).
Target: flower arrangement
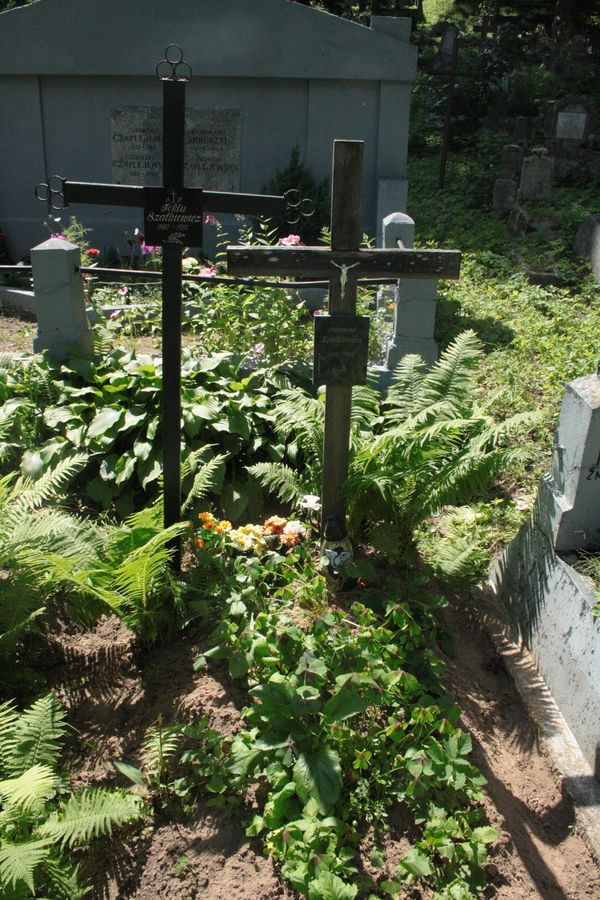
(276, 533)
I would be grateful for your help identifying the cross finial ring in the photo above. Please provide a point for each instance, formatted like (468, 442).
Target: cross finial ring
(53, 192)
(173, 67)
(298, 207)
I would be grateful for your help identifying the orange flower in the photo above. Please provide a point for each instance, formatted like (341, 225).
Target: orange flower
(199, 542)
(223, 526)
(274, 525)
(208, 520)
(289, 540)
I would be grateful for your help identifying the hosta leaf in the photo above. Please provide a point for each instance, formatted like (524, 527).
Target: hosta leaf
(330, 887)
(104, 421)
(318, 777)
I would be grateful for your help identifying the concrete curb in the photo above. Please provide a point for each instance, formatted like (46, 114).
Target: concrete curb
(578, 778)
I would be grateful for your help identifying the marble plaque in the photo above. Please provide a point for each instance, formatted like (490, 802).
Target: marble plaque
(570, 125)
(341, 350)
(212, 147)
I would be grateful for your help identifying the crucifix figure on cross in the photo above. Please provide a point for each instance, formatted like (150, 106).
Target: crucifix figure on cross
(341, 338)
(173, 217)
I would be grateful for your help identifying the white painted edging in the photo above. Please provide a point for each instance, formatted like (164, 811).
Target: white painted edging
(578, 776)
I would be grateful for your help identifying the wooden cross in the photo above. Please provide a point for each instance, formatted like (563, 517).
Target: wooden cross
(173, 217)
(341, 339)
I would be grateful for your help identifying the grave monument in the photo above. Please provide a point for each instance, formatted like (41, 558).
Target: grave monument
(268, 76)
(341, 338)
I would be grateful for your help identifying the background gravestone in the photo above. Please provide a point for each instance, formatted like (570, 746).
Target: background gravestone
(587, 243)
(570, 125)
(537, 176)
(266, 76)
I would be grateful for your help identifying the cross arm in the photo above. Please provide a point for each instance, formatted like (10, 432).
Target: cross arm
(133, 196)
(322, 262)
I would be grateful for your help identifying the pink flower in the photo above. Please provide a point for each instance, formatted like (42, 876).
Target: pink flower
(93, 251)
(147, 249)
(211, 220)
(292, 240)
(208, 270)
(318, 312)
(123, 291)
(258, 348)
(115, 314)
(60, 237)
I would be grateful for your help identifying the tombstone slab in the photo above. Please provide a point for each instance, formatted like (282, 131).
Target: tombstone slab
(570, 120)
(537, 176)
(505, 194)
(587, 243)
(512, 160)
(63, 328)
(547, 603)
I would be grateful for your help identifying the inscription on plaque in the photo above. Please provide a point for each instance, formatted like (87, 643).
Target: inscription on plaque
(212, 141)
(173, 216)
(341, 349)
(570, 125)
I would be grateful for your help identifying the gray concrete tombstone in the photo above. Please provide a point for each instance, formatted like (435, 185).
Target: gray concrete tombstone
(266, 76)
(568, 507)
(570, 120)
(547, 604)
(537, 176)
(63, 328)
(415, 301)
(587, 243)
(505, 193)
(512, 160)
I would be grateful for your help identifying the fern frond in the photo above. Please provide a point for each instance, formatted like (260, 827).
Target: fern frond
(90, 814)
(205, 480)
(30, 495)
(63, 878)
(451, 378)
(403, 395)
(19, 861)
(29, 790)
(282, 481)
(160, 745)
(9, 718)
(38, 734)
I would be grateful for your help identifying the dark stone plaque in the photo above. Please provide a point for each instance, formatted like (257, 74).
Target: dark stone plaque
(341, 349)
(173, 216)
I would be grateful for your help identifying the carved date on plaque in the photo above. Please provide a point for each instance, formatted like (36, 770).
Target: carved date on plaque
(172, 216)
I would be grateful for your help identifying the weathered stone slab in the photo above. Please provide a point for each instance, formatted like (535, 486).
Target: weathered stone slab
(505, 193)
(212, 147)
(587, 243)
(537, 176)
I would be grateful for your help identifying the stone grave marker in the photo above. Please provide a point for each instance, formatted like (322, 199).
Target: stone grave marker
(511, 162)
(414, 302)
(587, 243)
(537, 176)
(346, 337)
(173, 217)
(62, 325)
(570, 120)
(546, 602)
(505, 194)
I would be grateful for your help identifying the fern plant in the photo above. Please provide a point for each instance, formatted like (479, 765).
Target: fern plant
(28, 523)
(40, 820)
(427, 444)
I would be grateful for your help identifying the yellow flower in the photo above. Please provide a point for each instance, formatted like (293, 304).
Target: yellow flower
(222, 526)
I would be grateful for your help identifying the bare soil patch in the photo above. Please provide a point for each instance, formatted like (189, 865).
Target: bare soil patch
(114, 690)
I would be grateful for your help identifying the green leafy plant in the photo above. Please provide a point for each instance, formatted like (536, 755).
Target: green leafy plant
(427, 444)
(347, 715)
(31, 520)
(297, 177)
(41, 819)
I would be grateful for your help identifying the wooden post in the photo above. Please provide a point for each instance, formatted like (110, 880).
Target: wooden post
(345, 235)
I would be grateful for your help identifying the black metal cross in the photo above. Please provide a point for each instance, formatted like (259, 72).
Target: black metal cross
(173, 216)
(341, 339)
